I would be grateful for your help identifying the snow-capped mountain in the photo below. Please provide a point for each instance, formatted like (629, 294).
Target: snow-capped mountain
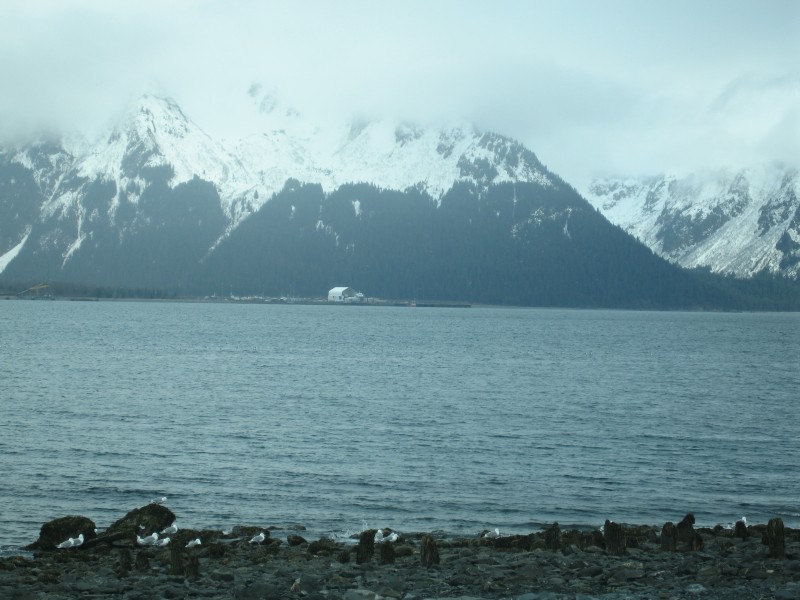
(390, 208)
(738, 222)
(83, 188)
(156, 141)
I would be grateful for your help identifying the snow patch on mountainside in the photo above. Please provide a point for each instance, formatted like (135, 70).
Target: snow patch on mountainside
(6, 258)
(48, 163)
(399, 156)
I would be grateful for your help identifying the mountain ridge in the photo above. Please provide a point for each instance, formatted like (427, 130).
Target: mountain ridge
(156, 135)
(397, 210)
(731, 221)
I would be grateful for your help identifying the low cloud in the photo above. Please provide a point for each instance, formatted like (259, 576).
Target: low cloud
(592, 88)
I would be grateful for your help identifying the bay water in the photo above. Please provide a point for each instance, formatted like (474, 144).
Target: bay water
(345, 417)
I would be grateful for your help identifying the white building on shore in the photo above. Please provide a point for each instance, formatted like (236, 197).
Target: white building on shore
(345, 295)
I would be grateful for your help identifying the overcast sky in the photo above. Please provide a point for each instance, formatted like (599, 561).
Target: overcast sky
(591, 86)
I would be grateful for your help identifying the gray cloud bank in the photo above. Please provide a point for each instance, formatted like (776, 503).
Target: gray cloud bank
(592, 87)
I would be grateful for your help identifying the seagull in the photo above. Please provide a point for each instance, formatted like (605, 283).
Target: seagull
(733, 525)
(147, 541)
(171, 529)
(257, 539)
(161, 500)
(162, 542)
(492, 534)
(193, 543)
(378, 536)
(78, 541)
(392, 538)
(68, 543)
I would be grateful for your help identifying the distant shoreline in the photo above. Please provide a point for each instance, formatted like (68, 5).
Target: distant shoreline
(385, 303)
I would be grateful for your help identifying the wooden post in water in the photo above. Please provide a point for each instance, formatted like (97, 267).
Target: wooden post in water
(552, 537)
(740, 530)
(366, 546)
(686, 530)
(429, 552)
(387, 553)
(175, 561)
(775, 539)
(193, 567)
(669, 537)
(614, 537)
(124, 565)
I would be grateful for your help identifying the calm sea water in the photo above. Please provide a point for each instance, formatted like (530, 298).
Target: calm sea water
(411, 418)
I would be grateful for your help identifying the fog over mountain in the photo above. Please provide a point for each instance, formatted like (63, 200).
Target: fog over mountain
(599, 89)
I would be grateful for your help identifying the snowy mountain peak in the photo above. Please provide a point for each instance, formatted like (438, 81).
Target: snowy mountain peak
(388, 153)
(156, 140)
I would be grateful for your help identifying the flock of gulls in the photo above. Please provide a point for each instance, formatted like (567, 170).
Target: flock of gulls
(161, 539)
(155, 539)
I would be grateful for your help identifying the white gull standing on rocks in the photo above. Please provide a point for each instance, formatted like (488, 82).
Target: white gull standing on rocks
(193, 543)
(171, 529)
(68, 543)
(71, 542)
(147, 541)
(257, 539)
(162, 542)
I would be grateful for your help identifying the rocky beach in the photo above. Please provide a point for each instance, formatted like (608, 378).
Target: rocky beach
(617, 561)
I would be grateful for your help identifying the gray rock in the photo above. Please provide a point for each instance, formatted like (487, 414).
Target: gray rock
(591, 571)
(59, 530)
(788, 594)
(258, 590)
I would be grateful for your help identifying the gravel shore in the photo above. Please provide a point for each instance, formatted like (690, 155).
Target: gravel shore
(620, 561)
